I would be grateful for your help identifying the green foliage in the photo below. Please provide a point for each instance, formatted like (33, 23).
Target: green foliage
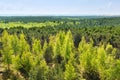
(24, 63)
(36, 46)
(7, 50)
(39, 72)
(27, 25)
(23, 45)
(70, 72)
(97, 61)
(48, 48)
(15, 44)
(55, 72)
(68, 46)
(58, 46)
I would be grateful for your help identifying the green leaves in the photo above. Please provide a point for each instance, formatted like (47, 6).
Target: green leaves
(39, 72)
(70, 72)
(36, 46)
(7, 50)
(97, 61)
(59, 59)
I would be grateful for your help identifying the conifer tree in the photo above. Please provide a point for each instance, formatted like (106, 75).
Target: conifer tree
(15, 44)
(24, 63)
(39, 72)
(48, 54)
(7, 50)
(70, 73)
(36, 46)
(68, 46)
(23, 45)
(58, 46)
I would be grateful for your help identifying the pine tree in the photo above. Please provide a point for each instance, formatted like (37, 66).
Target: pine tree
(68, 46)
(23, 45)
(39, 72)
(15, 44)
(87, 60)
(48, 54)
(7, 50)
(36, 46)
(24, 63)
(58, 46)
(70, 73)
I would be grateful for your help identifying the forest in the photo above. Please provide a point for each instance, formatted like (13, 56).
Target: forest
(59, 48)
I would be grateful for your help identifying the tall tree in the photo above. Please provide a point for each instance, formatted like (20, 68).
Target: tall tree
(7, 50)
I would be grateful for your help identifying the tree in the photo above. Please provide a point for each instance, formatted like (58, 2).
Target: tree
(58, 46)
(39, 72)
(87, 59)
(23, 45)
(36, 46)
(7, 50)
(70, 73)
(15, 44)
(24, 63)
(68, 46)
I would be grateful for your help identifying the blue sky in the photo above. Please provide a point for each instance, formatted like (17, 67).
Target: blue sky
(59, 7)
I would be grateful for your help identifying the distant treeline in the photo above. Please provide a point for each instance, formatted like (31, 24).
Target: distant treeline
(101, 30)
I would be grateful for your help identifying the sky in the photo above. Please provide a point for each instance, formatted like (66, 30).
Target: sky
(59, 7)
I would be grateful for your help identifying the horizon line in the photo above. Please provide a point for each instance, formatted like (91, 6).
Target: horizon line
(55, 15)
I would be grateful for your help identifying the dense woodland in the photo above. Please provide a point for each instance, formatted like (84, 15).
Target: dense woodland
(60, 48)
